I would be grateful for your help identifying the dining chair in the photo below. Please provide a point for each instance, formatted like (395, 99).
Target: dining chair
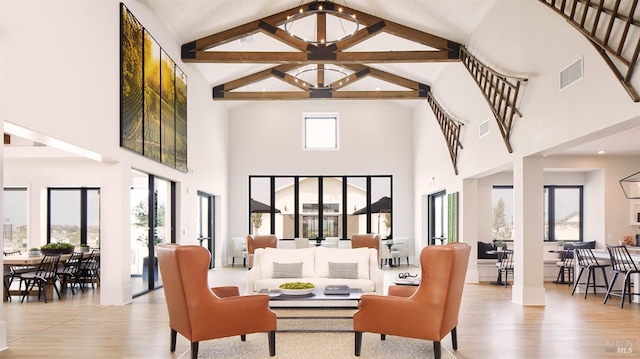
(331, 242)
(505, 265)
(90, 268)
(45, 274)
(301, 242)
(238, 250)
(13, 271)
(621, 263)
(566, 266)
(586, 260)
(70, 271)
(428, 311)
(199, 312)
(400, 249)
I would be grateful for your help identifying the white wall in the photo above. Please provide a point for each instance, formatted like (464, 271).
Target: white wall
(61, 79)
(266, 139)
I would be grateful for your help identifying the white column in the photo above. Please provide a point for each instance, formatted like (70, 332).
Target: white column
(468, 213)
(115, 236)
(528, 192)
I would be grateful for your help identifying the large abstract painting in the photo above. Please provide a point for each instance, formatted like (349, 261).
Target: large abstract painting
(153, 98)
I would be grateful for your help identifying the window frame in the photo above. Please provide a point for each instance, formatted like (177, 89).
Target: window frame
(322, 211)
(321, 116)
(550, 216)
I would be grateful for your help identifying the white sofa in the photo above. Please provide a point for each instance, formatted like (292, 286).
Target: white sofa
(315, 268)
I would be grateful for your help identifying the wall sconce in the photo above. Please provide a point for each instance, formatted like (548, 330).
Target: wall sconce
(631, 186)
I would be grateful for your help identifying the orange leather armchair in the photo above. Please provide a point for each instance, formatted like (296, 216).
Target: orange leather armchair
(253, 242)
(429, 312)
(198, 312)
(366, 240)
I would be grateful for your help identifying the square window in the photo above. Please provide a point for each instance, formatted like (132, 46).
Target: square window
(321, 132)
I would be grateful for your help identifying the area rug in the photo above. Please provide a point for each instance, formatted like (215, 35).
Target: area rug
(296, 345)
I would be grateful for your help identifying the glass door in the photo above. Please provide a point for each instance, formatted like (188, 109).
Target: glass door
(152, 218)
(437, 218)
(206, 224)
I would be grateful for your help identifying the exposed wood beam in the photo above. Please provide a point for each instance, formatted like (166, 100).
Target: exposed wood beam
(450, 129)
(302, 58)
(258, 76)
(500, 91)
(302, 95)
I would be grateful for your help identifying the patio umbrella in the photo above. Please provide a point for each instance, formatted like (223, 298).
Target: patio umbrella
(259, 207)
(383, 205)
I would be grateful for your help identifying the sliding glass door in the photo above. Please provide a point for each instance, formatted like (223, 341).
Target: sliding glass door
(152, 218)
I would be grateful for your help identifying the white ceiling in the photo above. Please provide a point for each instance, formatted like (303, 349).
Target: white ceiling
(455, 20)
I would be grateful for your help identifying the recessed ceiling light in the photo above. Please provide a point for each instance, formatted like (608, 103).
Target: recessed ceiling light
(601, 152)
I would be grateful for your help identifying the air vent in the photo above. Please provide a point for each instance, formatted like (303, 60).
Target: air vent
(571, 74)
(484, 128)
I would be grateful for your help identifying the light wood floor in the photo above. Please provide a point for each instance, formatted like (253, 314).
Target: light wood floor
(490, 325)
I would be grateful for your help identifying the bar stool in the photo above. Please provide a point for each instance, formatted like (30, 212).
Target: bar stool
(586, 260)
(621, 263)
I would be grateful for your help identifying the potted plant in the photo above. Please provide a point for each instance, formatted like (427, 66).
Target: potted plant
(84, 248)
(34, 252)
(57, 248)
(560, 245)
(499, 244)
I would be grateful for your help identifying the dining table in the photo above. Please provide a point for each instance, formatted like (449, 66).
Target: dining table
(500, 253)
(27, 260)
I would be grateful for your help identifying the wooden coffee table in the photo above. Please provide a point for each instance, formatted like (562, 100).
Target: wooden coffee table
(315, 300)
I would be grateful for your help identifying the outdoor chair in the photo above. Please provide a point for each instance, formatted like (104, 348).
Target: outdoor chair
(429, 311)
(200, 313)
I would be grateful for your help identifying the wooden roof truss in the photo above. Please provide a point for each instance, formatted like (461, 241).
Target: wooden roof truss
(450, 129)
(500, 91)
(613, 27)
(319, 55)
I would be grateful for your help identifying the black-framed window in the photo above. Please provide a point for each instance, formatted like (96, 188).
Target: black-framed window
(73, 216)
(502, 213)
(563, 207)
(320, 206)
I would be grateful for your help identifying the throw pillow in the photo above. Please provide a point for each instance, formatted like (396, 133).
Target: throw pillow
(343, 270)
(287, 270)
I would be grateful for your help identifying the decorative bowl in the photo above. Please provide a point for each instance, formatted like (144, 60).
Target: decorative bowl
(296, 291)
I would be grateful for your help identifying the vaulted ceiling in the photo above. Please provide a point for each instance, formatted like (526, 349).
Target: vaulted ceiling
(243, 50)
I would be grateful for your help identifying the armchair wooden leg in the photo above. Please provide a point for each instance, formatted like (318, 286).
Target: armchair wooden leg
(454, 338)
(272, 343)
(174, 334)
(383, 336)
(437, 350)
(243, 337)
(358, 343)
(194, 350)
